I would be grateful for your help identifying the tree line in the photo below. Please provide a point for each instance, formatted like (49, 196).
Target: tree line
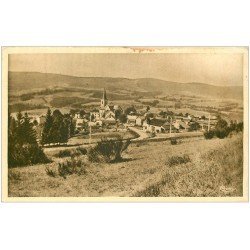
(223, 129)
(23, 148)
(58, 128)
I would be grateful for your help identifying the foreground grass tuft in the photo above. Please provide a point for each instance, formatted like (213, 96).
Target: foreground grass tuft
(71, 153)
(73, 166)
(50, 172)
(176, 160)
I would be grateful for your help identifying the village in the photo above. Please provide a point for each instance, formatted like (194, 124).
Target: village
(146, 124)
(119, 137)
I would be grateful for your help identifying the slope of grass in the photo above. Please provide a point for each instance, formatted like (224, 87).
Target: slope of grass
(215, 173)
(214, 169)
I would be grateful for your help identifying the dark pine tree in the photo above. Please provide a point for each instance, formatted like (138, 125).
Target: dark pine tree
(23, 148)
(47, 128)
(28, 131)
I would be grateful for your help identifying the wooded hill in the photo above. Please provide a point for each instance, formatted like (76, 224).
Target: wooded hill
(31, 80)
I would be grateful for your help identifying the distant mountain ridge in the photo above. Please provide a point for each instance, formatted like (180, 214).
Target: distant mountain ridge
(32, 80)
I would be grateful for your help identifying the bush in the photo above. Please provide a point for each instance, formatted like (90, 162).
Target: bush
(108, 150)
(176, 160)
(221, 129)
(82, 151)
(70, 167)
(71, 153)
(173, 141)
(209, 134)
(28, 154)
(222, 133)
(63, 153)
(50, 172)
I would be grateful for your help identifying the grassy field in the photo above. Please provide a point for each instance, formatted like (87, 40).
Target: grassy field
(193, 167)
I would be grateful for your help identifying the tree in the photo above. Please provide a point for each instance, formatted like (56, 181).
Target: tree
(57, 113)
(118, 112)
(123, 118)
(130, 110)
(194, 126)
(28, 131)
(221, 128)
(162, 113)
(92, 117)
(23, 148)
(35, 123)
(82, 112)
(73, 112)
(46, 139)
(147, 108)
(56, 129)
(149, 116)
(19, 128)
(239, 127)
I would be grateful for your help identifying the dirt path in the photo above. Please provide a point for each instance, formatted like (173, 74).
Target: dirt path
(142, 135)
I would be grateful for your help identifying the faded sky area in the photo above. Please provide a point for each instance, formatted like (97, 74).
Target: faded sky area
(217, 69)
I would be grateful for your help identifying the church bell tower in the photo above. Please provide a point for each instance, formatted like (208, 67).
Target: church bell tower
(104, 100)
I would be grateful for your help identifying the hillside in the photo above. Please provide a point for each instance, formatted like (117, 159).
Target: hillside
(216, 171)
(32, 80)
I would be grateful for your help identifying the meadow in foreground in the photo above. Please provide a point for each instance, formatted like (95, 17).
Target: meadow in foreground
(192, 167)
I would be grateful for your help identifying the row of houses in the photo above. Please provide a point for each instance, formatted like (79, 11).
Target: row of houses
(175, 123)
(106, 114)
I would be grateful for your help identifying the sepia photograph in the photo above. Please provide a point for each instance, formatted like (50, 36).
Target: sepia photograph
(125, 124)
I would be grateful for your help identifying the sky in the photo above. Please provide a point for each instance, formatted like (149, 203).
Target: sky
(216, 68)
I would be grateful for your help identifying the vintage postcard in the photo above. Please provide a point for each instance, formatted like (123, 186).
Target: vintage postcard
(125, 124)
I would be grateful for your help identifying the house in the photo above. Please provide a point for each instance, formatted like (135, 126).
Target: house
(167, 126)
(94, 115)
(186, 119)
(131, 119)
(183, 125)
(95, 123)
(139, 120)
(78, 115)
(176, 125)
(81, 123)
(154, 125)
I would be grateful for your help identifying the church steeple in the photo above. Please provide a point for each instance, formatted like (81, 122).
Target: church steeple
(104, 100)
(104, 94)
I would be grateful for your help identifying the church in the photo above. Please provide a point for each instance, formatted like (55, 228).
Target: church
(106, 112)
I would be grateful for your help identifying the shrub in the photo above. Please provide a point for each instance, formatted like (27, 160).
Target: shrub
(209, 134)
(63, 153)
(108, 150)
(222, 133)
(28, 154)
(50, 172)
(173, 141)
(70, 167)
(71, 153)
(221, 129)
(176, 160)
(82, 151)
